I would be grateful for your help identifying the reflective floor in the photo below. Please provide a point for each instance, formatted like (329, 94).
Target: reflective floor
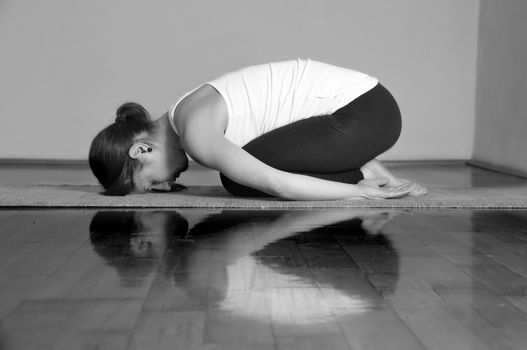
(305, 279)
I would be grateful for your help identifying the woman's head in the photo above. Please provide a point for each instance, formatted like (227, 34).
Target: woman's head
(136, 154)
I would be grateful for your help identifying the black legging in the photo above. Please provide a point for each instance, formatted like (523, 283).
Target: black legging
(332, 147)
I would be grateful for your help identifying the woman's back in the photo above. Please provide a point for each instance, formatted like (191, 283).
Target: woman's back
(265, 97)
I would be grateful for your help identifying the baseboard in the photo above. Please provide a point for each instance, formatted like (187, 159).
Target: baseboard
(424, 162)
(496, 168)
(59, 163)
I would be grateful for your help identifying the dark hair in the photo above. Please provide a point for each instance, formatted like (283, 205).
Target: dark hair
(109, 159)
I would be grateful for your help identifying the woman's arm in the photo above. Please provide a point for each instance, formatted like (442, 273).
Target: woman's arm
(212, 149)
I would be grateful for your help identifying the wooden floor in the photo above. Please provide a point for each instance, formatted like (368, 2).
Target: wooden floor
(304, 279)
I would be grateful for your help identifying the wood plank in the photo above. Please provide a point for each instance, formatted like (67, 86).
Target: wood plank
(499, 279)
(38, 234)
(39, 245)
(374, 258)
(85, 274)
(71, 323)
(432, 322)
(330, 255)
(168, 330)
(13, 290)
(492, 318)
(12, 222)
(378, 329)
(303, 319)
(238, 319)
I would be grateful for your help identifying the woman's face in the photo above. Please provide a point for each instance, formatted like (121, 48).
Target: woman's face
(160, 168)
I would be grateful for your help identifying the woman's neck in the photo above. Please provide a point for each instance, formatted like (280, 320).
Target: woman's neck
(165, 133)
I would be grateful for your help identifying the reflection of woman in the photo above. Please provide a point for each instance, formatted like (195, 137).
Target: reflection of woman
(256, 269)
(297, 129)
(248, 262)
(251, 261)
(134, 239)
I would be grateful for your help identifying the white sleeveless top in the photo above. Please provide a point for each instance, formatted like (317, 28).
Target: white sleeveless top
(265, 97)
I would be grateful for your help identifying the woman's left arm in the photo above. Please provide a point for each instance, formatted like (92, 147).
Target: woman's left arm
(212, 149)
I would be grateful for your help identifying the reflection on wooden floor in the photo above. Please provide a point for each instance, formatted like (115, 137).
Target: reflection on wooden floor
(305, 279)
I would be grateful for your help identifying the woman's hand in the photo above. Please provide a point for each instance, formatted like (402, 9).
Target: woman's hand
(417, 191)
(376, 189)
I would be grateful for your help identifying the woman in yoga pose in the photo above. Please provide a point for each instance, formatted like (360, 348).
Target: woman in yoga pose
(299, 130)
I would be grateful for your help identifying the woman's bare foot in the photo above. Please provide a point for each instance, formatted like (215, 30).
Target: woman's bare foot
(374, 169)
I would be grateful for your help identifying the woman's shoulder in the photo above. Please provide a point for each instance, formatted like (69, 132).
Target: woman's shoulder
(203, 104)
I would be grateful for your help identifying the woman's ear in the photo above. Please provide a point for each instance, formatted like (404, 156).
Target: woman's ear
(138, 150)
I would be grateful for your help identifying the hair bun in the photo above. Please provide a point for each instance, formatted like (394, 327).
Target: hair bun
(120, 119)
(131, 112)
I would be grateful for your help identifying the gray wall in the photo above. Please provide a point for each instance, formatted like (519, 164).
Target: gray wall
(501, 103)
(66, 65)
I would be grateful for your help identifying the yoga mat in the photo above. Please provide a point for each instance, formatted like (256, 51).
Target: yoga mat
(52, 196)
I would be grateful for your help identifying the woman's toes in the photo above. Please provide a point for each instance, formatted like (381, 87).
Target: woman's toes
(419, 191)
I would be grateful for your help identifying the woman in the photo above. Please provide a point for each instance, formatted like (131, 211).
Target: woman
(299, 130)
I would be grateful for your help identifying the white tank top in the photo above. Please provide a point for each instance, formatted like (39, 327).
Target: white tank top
(265, 97)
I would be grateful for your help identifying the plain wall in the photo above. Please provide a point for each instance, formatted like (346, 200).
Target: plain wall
(501, 103)
(66, 65)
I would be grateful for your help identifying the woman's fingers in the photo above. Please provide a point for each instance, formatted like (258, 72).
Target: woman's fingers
(399, 191)
(388, 192)
(402, 190)
(376, 189)
(418, 191)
